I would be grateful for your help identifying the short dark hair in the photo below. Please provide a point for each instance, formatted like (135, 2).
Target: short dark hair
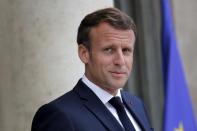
(112, 16)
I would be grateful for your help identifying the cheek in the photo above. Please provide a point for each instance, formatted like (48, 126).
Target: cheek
(99, 64)
(104, 61)
(104, 66)
(129, 63)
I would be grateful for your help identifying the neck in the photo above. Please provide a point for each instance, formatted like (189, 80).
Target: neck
(111, 91)
(107, 89)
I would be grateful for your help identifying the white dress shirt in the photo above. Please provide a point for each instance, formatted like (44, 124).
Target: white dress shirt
(104, 96)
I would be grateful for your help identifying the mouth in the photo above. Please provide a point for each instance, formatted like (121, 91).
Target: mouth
(117, 73)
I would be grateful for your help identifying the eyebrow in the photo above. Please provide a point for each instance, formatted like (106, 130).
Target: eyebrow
(111, 45)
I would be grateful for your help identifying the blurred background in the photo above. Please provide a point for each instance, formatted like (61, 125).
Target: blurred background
(39, 60)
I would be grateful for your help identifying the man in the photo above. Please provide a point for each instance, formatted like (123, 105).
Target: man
(105, 45)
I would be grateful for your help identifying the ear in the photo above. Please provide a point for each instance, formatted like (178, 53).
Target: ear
(83, 53)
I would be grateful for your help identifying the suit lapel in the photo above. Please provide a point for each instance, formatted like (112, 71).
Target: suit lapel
(134, 110)
(95, 105)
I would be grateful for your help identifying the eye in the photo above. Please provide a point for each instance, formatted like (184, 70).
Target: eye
(126, 50)
(107, 49)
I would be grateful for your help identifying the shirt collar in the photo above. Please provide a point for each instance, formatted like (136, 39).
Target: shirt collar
(103, 95)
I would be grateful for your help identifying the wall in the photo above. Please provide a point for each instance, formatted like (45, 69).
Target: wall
(185, 17)
(38, 55)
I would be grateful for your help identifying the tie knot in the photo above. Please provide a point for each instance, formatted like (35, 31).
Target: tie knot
(116, 103)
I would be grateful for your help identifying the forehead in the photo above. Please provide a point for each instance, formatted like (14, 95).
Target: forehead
(106, 32)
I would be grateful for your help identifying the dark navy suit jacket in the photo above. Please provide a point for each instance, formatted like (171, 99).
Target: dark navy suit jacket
(81, 110)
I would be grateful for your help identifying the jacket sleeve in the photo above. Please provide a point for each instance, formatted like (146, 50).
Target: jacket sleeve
(146, 114)
(50, 118)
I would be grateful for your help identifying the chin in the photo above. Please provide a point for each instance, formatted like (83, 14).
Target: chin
(119, 83)
(117, 86)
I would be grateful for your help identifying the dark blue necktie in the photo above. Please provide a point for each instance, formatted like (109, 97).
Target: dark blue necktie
(118, 105)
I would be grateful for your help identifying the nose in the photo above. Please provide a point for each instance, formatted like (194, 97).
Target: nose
(119, 59)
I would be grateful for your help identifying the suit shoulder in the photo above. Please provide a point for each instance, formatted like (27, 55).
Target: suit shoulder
(56, 104)
(60, 104)
(56, 111)
(66, 101)
(50, 118)
(131, 96)
(138, 106)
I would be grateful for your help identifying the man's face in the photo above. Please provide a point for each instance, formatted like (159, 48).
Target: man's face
(110, 62)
